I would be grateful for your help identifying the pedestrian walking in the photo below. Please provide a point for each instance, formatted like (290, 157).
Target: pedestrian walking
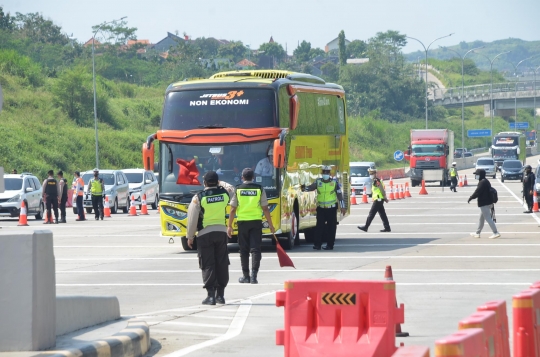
(378, 195)
(62, 195)
(50, 196)
(485, 202)
(207, 215)
(329, 196)
(453, 177)
(249, 203)
(14, 171)
(96, 188)
(529, 180)
(78, 188)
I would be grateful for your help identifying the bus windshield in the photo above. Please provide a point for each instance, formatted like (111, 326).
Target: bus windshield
(428, 150)
(506, 141)
(227, 160)
(219, 108)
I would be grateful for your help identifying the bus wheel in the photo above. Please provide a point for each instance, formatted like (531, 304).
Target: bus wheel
(292, 236)
(186, 246)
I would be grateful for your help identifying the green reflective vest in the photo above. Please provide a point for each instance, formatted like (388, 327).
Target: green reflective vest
(213, 207)
(376, 193)
(95, 187)
(453, 172)
(249, 202)
(326, 193)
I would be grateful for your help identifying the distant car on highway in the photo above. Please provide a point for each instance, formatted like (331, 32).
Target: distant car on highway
(462, 152)
(512, 170)
(116, 187)
(360, 180)
(487, 164)
(143, 182)
(18, 188)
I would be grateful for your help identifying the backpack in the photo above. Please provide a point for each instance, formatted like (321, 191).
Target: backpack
(494, 195)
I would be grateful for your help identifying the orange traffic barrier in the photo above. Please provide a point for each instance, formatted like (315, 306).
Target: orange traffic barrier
(388, 275)
(23, 218)
(423, 190)
(107, 208)
(412, 351)
(407, 192)
(503, 335)
(144, 207)
(338, 318)
(526, 335)
(353, 197)
(391, 195)
(364, 196)
(535, 202)
(487, 321)
(465, 183)
(535, 285)
(460, 181)
(132, 208)
(463, 343)
(391, 183)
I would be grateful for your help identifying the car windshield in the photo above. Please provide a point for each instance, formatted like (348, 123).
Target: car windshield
(428, 150)
(485, 162)
(13, 184)
(359, 171)
(512, 165)
(108, 179)
(183, 167)
(134, 177)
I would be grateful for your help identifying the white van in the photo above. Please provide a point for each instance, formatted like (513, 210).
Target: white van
(360, 180)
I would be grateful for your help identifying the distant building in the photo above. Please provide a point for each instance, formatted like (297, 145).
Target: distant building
(89, 43)
(216, 63)
(357, 61)
(334, 45)
(245, 64)
(165, 44)
(271, 40)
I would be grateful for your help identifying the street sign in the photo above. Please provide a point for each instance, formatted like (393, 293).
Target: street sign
(398, 155)
(519, 125)
(478, 133)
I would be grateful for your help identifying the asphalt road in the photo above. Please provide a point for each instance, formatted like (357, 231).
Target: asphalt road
(442, 273)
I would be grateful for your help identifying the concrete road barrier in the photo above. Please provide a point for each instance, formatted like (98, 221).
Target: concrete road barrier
(76, 312)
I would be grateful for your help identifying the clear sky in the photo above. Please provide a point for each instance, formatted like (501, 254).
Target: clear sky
(291, 21)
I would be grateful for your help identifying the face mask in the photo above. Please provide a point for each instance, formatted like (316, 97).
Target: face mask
(372, 176)
(477, 177)
(325, 176)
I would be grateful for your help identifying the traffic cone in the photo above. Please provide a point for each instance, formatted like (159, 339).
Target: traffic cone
(158, 208)
(401, 196)
(465, 181)
(391, 195)
(364, 196)
(107, 208)
(46, 218)
(23, 219)
(353, 197)
(144, 207)
(391, 183)
(535, 200)
(407, 192)
(460, 181)
(423, 190)
(389, 276)
(132, 208)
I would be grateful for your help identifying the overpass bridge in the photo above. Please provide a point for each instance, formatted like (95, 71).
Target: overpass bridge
(504, 95)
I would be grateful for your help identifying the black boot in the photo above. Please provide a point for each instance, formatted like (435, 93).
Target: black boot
(245, 278)
(210, 299)
(220, 296)
(254, 277)
(63, 219)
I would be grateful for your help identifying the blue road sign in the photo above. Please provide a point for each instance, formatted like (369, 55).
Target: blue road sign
(519, 125)
(478, 133)
(398, 155)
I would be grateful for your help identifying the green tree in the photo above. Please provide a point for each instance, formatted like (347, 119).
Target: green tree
(315, 52)
(234, 50)
(73, 93)
(34, 27)
(302, 52)
(330, 71)
(117, 33)
(209, 47)
(7, 22)
(273, 49)
(357, 49)
(342, 48)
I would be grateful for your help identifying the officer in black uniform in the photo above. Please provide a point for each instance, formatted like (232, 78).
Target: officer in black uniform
(50, 195)
(529, 180)
(207, 214)
(62, 182)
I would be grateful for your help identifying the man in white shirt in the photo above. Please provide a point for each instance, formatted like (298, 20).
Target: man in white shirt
(265, 167)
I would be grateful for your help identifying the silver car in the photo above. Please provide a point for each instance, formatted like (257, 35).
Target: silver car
(116, 188)
(18, 188)
(360, 180)
(143, 182)
(487, 164)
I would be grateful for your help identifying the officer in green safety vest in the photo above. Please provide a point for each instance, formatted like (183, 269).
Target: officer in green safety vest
(329, 196)
(453, 177)
(378, 195)
(207, 215)
(249, 204)
(96, 188)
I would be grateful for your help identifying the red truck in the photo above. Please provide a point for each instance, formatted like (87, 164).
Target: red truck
(430, 154)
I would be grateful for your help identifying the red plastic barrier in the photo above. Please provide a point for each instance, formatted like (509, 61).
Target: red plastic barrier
(412, 351)
(394, 173)
(503, 334)
(535, 285)
(487, 321)
(464, 343)
(69, 202)
(526, 313)
(339, 318)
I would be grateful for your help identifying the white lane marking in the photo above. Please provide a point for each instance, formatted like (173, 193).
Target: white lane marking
(356, 270)
(442, 224)
(363, 234)
(281, 284)
(463, 284)
(461, 209)
(399, 202)
(181, 333)
(182, 323)
(212, 317)
(534, 216)
(234, 330)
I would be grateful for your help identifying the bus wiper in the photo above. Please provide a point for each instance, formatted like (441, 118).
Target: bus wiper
(213, 126)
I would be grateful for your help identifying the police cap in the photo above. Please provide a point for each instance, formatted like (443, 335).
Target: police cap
(211, 177)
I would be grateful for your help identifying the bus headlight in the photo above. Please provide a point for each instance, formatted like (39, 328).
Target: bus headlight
(175, 213)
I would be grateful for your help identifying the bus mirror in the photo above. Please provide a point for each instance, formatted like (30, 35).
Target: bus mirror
(148, 156)
(294, 109)
(279, 154)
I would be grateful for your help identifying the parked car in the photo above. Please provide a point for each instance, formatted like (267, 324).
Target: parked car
(537, 174)
(487, 164)
(512, 170)
(143, 182)
(116, 188)
(458, 152)
(360, 180)
(18, 188)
